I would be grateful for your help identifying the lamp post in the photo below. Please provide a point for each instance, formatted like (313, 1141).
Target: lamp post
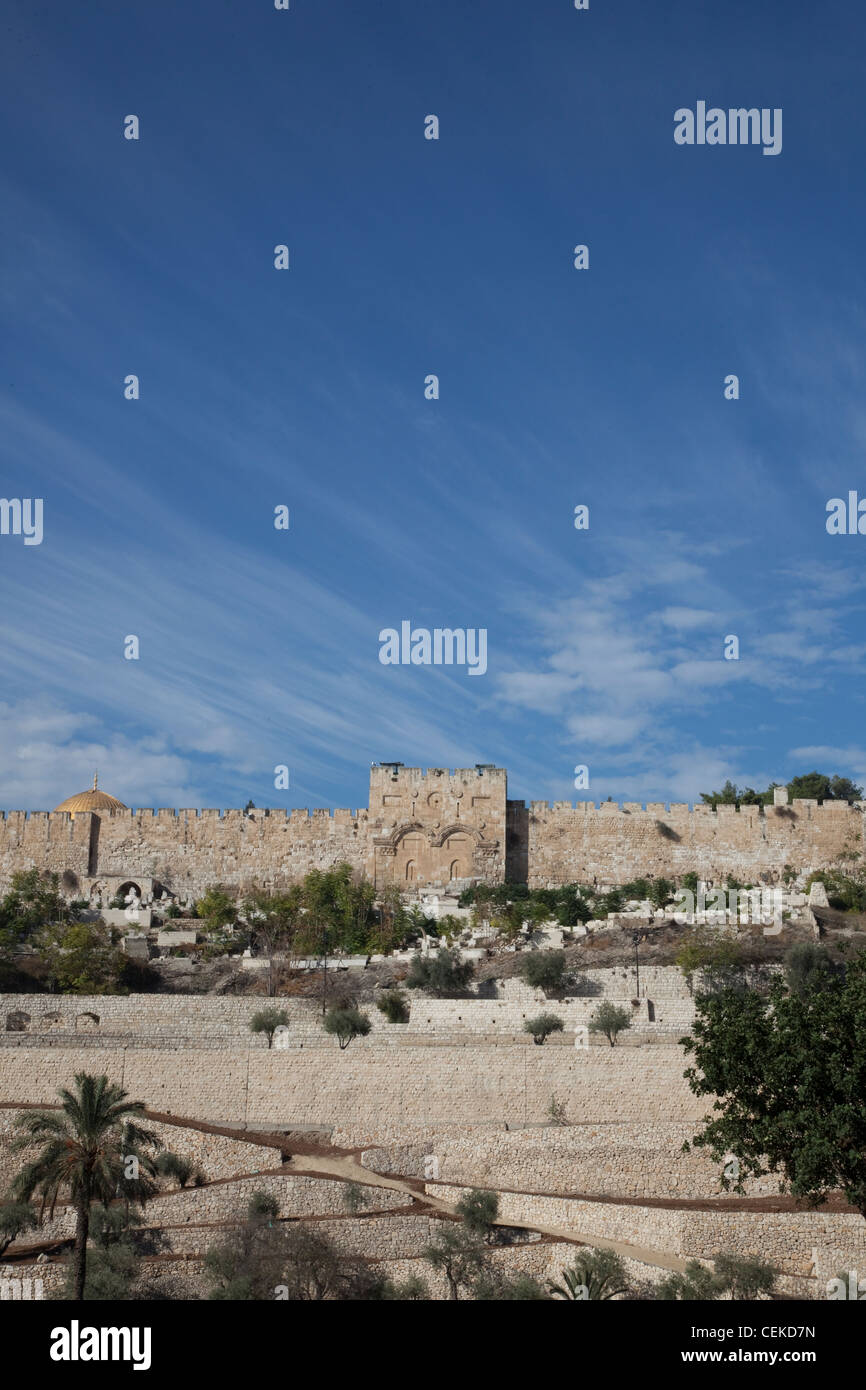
(324, 967)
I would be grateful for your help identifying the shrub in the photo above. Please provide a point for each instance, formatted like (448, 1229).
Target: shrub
(544, 970)
(638, 888)
(661, 892)
(542, 1026)
(498, 1287)
(696, 1284)
(183, 1170)
(613, 901)
(807, 966)
(347, 1023)
(414, 1290)
(557, 1113)
(392, 1003)
(714, 955)
(610, 1020)
(440, 974)
(354, 1198)
(263, 1206)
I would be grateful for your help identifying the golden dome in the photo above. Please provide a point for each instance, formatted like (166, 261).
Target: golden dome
(93, 800)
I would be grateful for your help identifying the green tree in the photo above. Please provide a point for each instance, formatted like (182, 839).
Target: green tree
(441, 973)
(544, 970)
(216, 909)
(268, 1021)
(478, 1211)
(609, 1020)
(746, 1276)
(572, 907)
(113, 1262)
(392, 925)
(347, 1023)
(313, 1269)
(15, 1217)
(457, 1254)
(111, 1274)
(272, 921)
(338, 902)
(508, 920)
(660, 892)
(817, 786)
(593, 1276)
(32, 903)
(250, 1263)
(789, 1073)
(81, 958)
(814, 786)
(542, 1026)
(87, 1146)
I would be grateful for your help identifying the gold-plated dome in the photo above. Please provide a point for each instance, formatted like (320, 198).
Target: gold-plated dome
(93, 800)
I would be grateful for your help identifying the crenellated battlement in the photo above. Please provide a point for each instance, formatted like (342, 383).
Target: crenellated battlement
(430, 827)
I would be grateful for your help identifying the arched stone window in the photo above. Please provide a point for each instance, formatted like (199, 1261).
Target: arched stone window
(86, 1021)
(410, 871)
(17, 1022)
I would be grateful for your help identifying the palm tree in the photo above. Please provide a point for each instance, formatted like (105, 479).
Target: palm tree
(93, 1150)
(594, 1275)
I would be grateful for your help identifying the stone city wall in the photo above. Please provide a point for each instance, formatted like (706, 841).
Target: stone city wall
(614, 844)
(314, 1083)
(424, 829)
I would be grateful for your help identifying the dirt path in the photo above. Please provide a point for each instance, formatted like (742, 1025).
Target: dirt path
(350, 1170)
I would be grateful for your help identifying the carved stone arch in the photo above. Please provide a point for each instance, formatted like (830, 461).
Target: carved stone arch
(457, 828)
(399, 833)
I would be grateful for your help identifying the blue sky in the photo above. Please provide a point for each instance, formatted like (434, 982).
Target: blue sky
(306, 388)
